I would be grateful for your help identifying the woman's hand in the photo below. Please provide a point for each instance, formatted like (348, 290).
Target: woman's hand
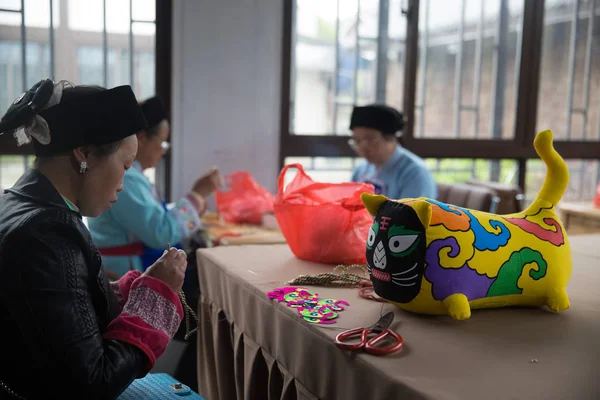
(170, 268)
(208, 183)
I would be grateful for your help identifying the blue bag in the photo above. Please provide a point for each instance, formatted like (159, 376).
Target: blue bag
(158, 386)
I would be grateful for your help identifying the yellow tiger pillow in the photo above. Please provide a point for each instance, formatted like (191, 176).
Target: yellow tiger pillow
(435, 258)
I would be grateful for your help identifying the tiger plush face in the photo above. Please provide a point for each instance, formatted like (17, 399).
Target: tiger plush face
(396, 252)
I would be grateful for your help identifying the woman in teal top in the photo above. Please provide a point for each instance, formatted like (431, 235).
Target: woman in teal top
(134, 233)
(393, 170)
(137, 229)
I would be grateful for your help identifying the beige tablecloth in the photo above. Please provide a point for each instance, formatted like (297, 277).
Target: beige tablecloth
(251, 347)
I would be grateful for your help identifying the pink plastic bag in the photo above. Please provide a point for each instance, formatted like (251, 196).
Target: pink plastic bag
(323, 222)
(244, 201)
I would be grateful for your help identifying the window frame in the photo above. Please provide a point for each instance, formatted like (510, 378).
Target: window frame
(519, 148)
(164, 67)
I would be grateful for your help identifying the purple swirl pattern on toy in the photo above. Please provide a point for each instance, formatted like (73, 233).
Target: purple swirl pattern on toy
(448, 281)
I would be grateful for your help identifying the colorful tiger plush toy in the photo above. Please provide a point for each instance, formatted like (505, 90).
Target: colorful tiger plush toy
(434, 258)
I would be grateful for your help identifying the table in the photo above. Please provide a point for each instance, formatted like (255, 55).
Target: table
(580, 217)
(221, 233)
(251, 347)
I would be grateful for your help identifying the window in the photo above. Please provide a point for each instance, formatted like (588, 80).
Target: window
(584, 176)
(475, 79)
(323, 169)
(449, 170)
(569, 95)
(11, 70)
(103, 42)
(11, 168)
(457, 170)
(468, 70)
(343, 51)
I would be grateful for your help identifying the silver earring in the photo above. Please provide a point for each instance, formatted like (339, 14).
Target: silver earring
(83, 167)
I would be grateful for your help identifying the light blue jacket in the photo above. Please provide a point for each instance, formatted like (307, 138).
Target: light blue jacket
(404, 175)
(139, 215)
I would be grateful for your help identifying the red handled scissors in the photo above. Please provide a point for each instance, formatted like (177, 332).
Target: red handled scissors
(381, 329)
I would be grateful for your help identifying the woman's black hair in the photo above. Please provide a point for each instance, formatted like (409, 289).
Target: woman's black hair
(155, 114)
(153, 131)
(105, 150)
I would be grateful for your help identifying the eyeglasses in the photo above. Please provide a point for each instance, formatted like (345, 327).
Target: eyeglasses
(165, 146)
(366, 142)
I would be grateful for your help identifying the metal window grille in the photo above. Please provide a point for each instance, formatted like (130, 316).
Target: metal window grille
(504, 26)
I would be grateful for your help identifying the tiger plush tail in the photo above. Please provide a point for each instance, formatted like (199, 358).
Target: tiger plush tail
(557, 174)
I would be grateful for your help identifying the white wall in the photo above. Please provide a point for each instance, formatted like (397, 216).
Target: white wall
(226, 89)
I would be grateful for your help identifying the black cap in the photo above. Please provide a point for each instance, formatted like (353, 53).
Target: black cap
(85, 115)
(377, 116)
(154, 111)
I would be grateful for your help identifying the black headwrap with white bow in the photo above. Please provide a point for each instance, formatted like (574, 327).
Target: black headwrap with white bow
(60, 117)
(22, 119)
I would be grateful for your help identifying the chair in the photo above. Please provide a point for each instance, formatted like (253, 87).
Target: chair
(512, 199)
(468, 196)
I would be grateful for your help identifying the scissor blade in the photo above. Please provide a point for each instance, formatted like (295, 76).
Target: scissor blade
(384, 322)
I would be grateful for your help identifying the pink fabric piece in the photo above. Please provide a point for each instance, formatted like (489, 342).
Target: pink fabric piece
(154, 309)
(150, 317)
(121, 287)
(133, 330)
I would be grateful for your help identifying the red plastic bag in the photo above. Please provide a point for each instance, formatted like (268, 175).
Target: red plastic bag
(597, 198)
(323, 222)
(243, 201)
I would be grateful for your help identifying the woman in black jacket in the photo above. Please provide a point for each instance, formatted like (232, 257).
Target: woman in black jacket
(66, 332)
